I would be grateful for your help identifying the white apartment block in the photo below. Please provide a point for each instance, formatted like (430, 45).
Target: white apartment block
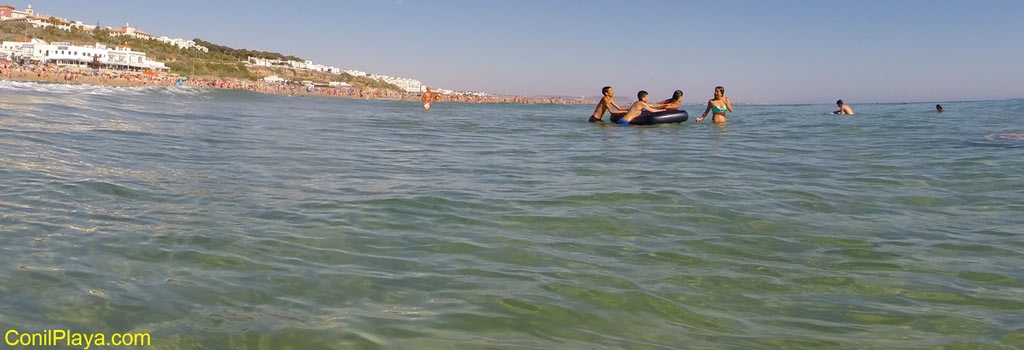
(263, 62)
(407, 84)
(85, 27)
(182, 43)
(64, 54)
(273, 79)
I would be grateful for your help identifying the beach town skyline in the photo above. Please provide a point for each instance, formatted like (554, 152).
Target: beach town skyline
(862, 52)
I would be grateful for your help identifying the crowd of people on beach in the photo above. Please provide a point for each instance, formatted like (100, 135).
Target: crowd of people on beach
(429, 97)
(83, 75)
(56, 74)
(717, 106)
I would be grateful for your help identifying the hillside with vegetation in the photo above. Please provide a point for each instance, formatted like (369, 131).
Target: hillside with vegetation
(221, 62)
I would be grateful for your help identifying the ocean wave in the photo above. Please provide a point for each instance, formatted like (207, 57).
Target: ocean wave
(88, 89)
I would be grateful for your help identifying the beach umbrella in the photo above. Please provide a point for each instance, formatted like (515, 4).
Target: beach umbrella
(150, 72)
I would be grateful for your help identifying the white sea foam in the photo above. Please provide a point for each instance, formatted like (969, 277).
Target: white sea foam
(88, 89)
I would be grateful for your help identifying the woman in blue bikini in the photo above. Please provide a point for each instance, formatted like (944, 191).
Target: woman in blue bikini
(717, 106)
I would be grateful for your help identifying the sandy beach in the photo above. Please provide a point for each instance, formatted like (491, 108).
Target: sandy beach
(136, 79)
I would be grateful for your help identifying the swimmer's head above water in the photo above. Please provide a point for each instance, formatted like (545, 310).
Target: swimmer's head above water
(677, 96)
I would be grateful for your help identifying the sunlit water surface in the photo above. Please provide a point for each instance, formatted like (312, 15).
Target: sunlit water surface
(233, 220)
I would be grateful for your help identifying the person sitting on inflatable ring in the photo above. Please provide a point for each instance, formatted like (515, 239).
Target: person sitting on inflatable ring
(638, 108)
(671, 103)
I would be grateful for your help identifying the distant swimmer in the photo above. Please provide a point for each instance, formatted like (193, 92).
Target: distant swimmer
(671, 103)
(427, 98)
(843, 108)
(606, 104)
(938, 108)
(717, 106)
(638, 108)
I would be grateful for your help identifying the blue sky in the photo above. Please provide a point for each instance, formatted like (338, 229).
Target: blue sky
(761, 51)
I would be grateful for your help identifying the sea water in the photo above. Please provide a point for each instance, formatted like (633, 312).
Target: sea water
(233, 220)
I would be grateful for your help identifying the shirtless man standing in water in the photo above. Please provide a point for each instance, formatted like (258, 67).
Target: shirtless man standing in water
(606, 104)
(426, 98)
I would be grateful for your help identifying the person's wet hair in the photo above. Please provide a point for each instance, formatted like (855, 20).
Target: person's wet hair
(677, 95)
(604, 90)
(839, 102)
(640, 95)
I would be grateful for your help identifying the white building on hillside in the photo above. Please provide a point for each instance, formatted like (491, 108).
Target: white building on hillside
(273, 79)
(307, 65)
(407, 84)
(327, 69)
(13, 49)
(83, 26)
(9, 13)
(39, 22)
(65, 54)
(123, 57)
(263, 62)
(182, 43)
(258, 62)
(135, 33)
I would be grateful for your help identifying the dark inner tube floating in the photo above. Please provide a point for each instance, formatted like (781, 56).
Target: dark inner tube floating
(666, 117)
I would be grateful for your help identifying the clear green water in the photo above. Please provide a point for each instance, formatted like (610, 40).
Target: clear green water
(228, 220)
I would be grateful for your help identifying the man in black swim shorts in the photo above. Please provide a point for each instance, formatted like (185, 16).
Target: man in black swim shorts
(606, 104)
